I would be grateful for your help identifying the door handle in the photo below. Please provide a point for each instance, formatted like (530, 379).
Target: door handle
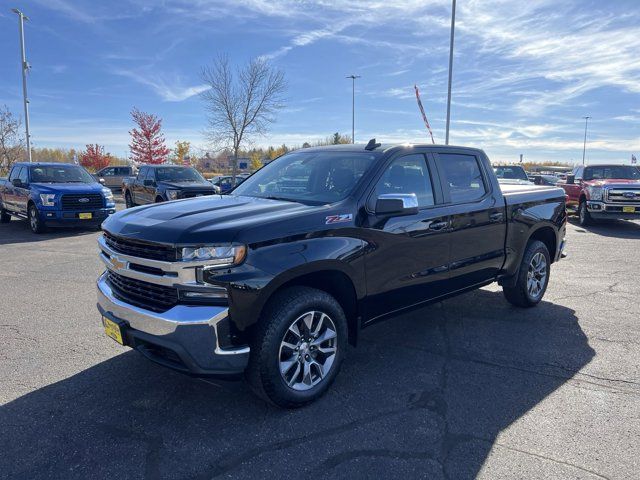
(438, 225)
(495, 216)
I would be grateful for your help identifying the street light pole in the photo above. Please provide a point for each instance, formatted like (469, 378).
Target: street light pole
(584, 145)
(453, 24)
(353, 106)
(25, 68)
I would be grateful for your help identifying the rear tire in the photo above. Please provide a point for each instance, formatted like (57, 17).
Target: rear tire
(128, 201)
(584, 217)
(4, 216)
(533, 276)
(298, 347)
(37, 225)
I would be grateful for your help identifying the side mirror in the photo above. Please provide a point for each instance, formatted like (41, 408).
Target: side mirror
(397, 204)
(101, 180)
(148, 183)
(16, 182)
(571, 179)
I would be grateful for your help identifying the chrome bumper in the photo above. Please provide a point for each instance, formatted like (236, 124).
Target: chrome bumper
(191, 332)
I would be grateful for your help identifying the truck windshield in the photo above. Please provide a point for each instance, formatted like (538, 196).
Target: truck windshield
(511, 173)
(60, 174)
(308, 177)
(621, 172)
(177, 174)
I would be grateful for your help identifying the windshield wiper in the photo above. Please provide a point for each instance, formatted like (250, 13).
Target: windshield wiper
(271, 197)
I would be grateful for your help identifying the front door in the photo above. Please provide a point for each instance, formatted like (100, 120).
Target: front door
(407, 262)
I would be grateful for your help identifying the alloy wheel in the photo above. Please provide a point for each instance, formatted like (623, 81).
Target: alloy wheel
(308, 350)
(537, 275)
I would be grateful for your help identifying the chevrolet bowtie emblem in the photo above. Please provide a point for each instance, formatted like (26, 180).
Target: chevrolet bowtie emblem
(117, 263)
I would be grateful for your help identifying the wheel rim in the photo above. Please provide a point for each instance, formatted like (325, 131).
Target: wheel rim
(33, 220)
(308, 350)
(537, 275)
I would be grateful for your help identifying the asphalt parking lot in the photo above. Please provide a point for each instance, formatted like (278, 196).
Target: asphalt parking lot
(464, 388)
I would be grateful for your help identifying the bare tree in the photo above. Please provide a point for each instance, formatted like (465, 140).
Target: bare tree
(11, 141)
(241, 104)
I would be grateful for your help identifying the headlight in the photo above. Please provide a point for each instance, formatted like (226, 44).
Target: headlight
(595, 193)
(108, 194)
(48, 199)
(172, 194)
(215, 256)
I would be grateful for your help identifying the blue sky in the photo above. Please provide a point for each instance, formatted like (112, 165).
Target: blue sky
(525, 73)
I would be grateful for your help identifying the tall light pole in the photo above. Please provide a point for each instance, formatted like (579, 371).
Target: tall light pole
(25, 68)
(353, 106)
(453, 25)
(584, 145)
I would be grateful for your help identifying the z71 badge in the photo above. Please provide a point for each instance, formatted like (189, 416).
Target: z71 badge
(345, 217)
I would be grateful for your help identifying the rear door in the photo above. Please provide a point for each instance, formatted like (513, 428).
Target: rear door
(9, 193)
(476, 209)
(407, 261)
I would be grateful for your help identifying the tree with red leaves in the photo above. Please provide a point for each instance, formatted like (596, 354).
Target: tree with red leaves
(94, 157)
(147, 142)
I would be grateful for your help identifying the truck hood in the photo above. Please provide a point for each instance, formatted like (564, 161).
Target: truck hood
(211, 219)
(611, 182)
(187, 185)
(68, 187)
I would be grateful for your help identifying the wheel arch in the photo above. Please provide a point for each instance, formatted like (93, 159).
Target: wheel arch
(334, 281)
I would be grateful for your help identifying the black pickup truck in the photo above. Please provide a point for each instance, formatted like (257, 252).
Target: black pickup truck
(159, 183)
(275, 278)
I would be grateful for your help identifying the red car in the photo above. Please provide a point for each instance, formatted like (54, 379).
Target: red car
(604, 191)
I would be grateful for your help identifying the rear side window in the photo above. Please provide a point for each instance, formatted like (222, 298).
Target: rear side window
(463, 176)
(407, 174)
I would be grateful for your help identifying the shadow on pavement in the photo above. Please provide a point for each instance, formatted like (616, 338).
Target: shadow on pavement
(18, 231)
(611, 228)
(423, 396)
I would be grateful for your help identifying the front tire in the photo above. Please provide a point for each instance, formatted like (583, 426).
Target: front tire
(584, 217)
(159, 199)
(37, 225)
(298, 347)
(128, 201)
(533, 276)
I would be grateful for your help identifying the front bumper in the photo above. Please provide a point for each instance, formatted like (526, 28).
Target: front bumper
(184, 337)
(603, 210)
(54, 217)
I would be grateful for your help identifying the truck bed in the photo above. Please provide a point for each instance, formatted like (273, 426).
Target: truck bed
(518, 194)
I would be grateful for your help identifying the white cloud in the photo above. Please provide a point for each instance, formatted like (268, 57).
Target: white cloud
(169, 92)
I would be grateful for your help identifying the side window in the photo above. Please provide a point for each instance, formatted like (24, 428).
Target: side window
(463, 176)
(407, 174)
(24, 175)
(108, 172)
(142, 173)
(15, 172)
(151, 174)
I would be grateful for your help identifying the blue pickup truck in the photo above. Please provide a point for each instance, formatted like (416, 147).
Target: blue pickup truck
(54, 194)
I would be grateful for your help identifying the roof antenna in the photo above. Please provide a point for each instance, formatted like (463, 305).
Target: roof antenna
(372, 145)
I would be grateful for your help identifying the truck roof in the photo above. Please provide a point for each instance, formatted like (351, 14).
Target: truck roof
(44, 164)
(384, 147)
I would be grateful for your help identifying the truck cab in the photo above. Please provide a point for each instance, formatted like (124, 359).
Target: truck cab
(604, 192)
(54, 194)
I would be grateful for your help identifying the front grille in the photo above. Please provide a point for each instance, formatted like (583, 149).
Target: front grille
(622, 195)
(79, 201)
(146, 295)
(191, 194)
(137, 248)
